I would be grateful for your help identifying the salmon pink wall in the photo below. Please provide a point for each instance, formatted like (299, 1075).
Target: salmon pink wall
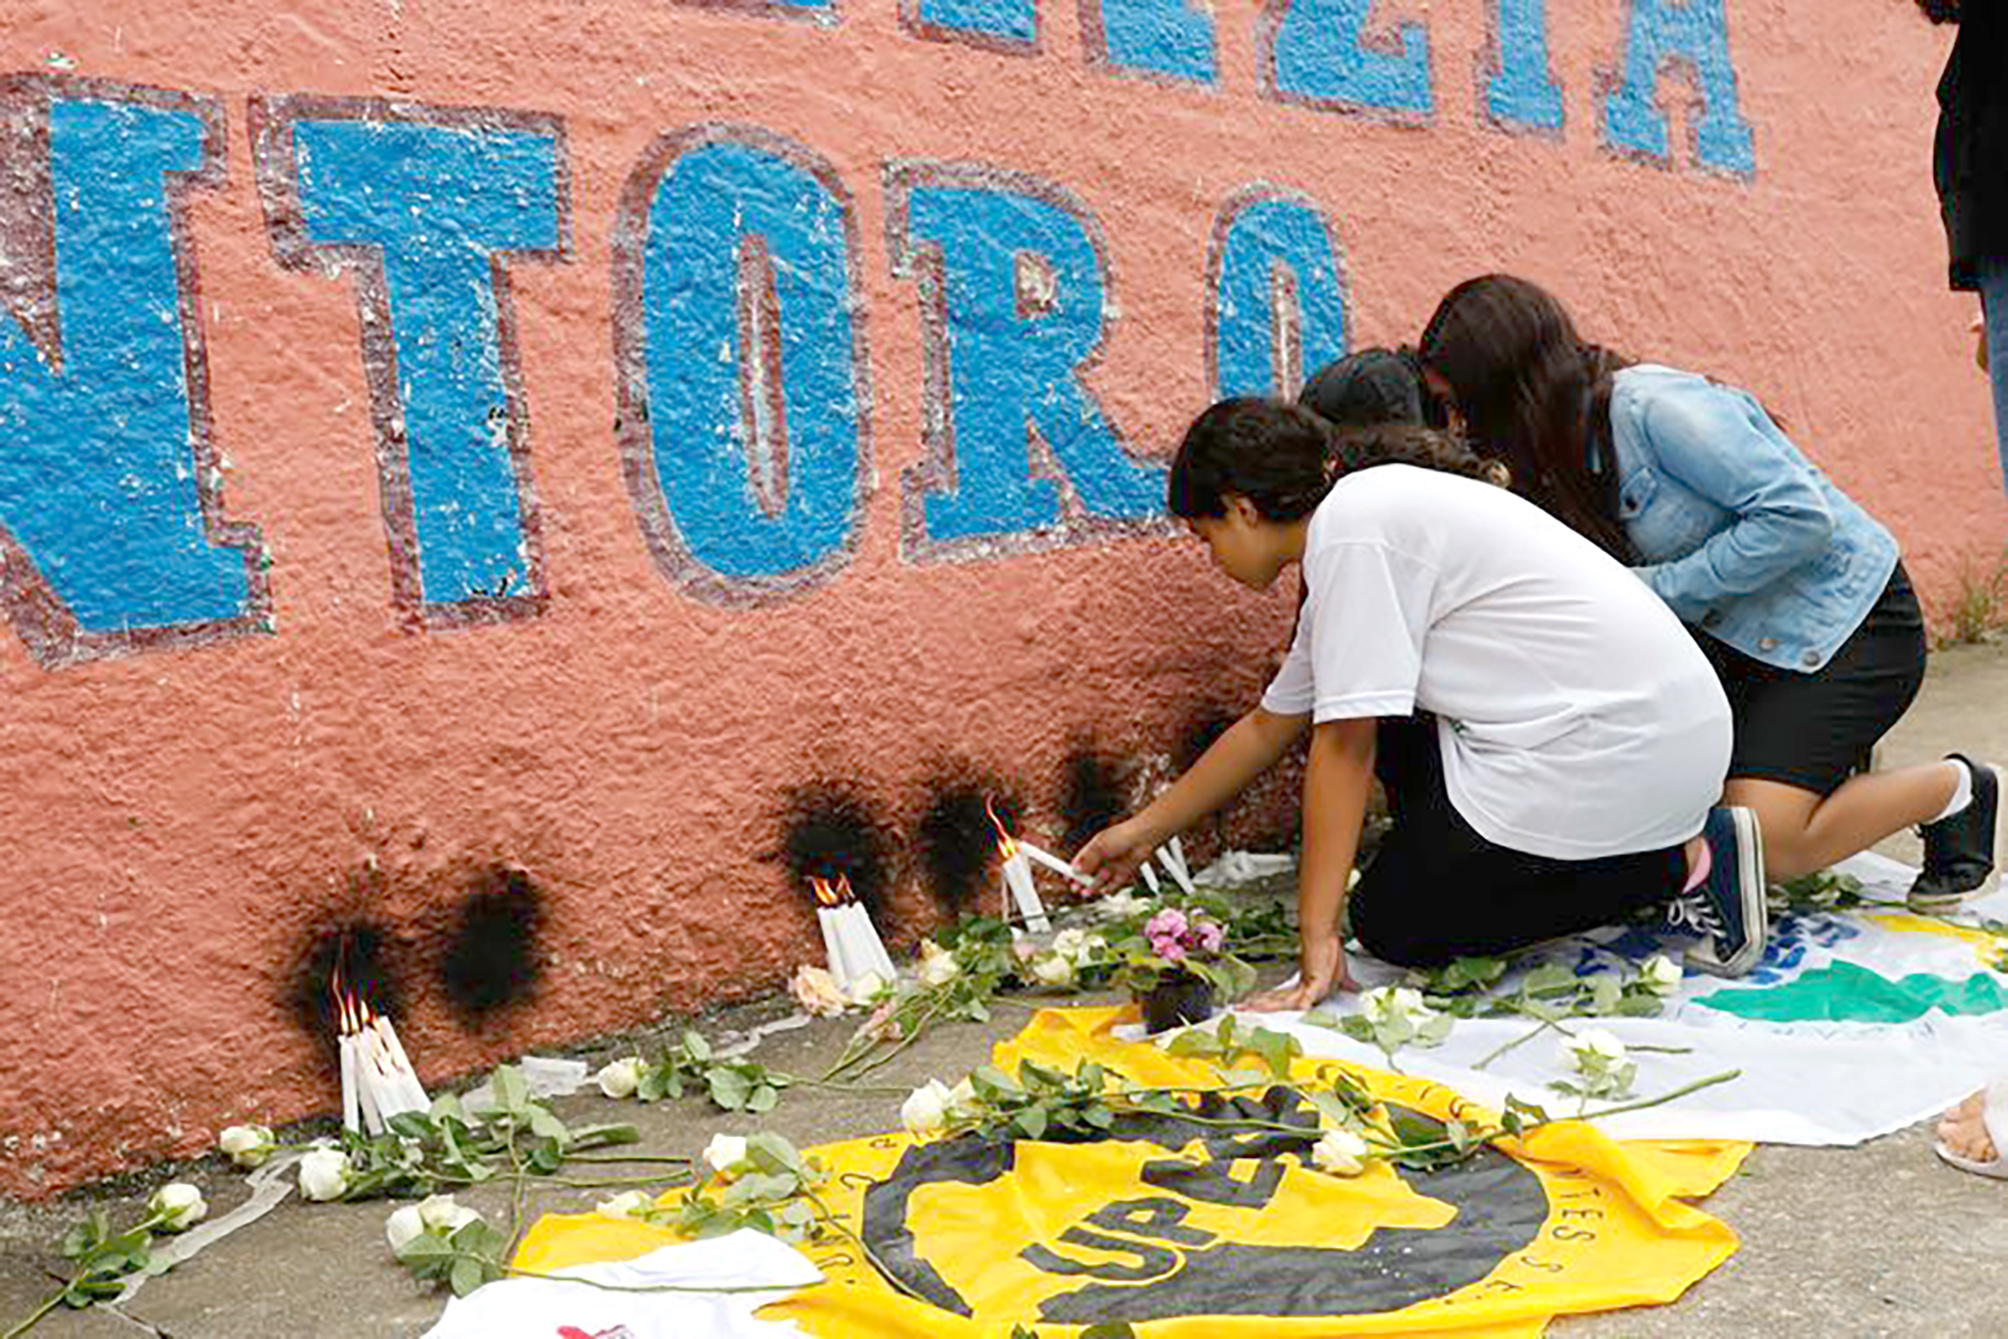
(512, 489)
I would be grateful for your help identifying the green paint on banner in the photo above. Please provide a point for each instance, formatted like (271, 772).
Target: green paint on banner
(1845, 993)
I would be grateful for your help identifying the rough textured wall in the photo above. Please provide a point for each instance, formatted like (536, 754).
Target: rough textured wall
(512, 489)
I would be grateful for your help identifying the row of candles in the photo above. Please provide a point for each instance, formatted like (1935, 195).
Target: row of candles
(851, 942)
(378, 1081)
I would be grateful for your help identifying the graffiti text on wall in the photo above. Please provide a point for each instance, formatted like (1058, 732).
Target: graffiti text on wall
(738, 325)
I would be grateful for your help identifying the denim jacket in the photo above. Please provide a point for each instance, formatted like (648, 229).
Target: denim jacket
(1739, 533)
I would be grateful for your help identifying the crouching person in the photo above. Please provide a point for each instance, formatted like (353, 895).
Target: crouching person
(1551, 740)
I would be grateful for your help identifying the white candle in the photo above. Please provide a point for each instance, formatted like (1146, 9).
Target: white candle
(349, 1107)
(1150, 878)
(407, 1075)
(869, 947)
(388, 1093)
(1018, 877)
(1054, 863)
(1173, 855)
(830, 923)
(366, 1089)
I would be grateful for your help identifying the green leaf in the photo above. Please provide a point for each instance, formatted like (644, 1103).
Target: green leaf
(467, 1276)
(546, 1125)
(1548, 979)
(602, 1136)
(1324, 1018)
(762, 1099)
(1605, 992)
(773, 1153)
(1194, 1042)
(730, 1089)
(1121, 1329)
(1031, 1122)
(512, 1091)
(411, 1125)
(695, 1046)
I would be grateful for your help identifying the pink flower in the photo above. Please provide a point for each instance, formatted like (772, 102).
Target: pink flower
(1167, 924)
(1168, 949)
(881, 1026)
(1211, 936)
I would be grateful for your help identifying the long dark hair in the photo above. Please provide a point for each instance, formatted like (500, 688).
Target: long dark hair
(1940, 11)
(1535, 396)
(1284, 458)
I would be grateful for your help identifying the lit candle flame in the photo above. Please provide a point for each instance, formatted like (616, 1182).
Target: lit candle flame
(830, 894)
(1004, 842)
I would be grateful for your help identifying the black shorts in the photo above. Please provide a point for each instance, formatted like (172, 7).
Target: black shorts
(1812, 730)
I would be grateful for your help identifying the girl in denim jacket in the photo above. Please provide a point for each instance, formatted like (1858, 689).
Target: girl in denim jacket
(1795, 592)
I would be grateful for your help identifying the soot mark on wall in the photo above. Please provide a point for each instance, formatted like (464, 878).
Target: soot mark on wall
(958, 842)
(492, 957)
(1094, 795)
(828, 830)
(1204, 726)
(367, 955)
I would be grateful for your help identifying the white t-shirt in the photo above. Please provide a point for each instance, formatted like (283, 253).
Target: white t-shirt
(1576, 715)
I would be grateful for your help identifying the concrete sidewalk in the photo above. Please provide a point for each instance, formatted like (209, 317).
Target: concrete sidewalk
(1877, 1240)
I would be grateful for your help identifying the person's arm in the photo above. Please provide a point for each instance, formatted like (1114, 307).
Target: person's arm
(1724, 447)
(1249, 747)
(1336, 782)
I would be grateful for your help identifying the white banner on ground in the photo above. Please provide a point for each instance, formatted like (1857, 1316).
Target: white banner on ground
(1857, 1023)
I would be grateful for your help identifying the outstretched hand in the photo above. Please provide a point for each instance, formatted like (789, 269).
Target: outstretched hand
(1321, 970)
(1113, 855)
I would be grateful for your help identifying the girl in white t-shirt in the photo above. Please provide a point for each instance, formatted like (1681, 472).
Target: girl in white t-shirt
(1573, 739)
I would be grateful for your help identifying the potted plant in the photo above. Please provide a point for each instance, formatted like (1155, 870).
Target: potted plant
(1178, 968)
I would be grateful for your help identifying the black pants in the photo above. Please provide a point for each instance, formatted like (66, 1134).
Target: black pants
(1437, 890)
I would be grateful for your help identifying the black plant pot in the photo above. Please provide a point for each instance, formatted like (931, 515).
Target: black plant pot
(1176, 1000)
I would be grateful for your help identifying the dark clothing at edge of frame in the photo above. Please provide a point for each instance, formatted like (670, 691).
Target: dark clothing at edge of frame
(1971, 161)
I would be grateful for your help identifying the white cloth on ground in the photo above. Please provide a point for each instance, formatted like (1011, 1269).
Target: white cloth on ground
(539, 1308)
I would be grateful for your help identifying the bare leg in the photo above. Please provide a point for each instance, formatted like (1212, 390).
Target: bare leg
(1804, 833)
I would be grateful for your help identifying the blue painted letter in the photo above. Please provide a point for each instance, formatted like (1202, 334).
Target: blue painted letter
(1694, 34)
(1007, 25)
(1167, 38)
(1011, 282)
(1278, 310)
(743, 385)
(106, 470)
(1521, 93)
(428, 207)
(1316, 52)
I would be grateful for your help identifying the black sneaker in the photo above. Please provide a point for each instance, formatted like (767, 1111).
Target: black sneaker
(1728, 907)
(1959, 851)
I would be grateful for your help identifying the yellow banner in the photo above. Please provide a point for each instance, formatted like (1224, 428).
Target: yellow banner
(1186, 1228)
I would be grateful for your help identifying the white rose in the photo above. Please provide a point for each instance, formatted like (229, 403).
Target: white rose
(867, 988)
(440, 1214)
(1121, 906)
(1070, 943)
(937, 965)
(1594, 1046)
(324, 1174)
(178, 1205)
(620, 1078)
(247, 1145)
(1052, 969)
(925, 1110)
(817, 992)
(1341, 1153)
(1661, 974)
(627, 1204)
(962, 1099)
(403, 1227)
(725, 1152)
